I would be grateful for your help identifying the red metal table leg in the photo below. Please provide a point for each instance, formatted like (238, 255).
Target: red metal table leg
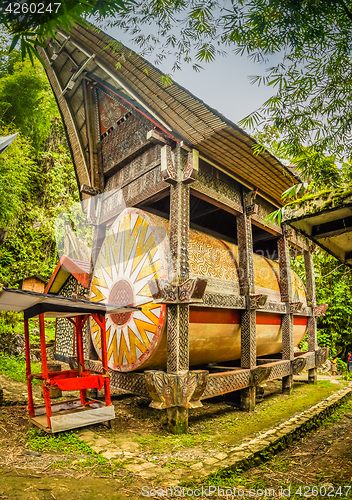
(28, 369)
(80, 355)
(46, 390)
(104, 359)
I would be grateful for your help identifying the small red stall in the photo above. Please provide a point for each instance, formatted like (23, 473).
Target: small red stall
(72, 413)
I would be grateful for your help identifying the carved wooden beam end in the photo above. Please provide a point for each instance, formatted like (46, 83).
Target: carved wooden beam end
(188, 292)
(321, 355)
(320, 310)
(157, 137)
(252, 209)
(295, 307)
(255, 301)
(287, 231)
(259, 375)
(163, 291)
(190, 172)
(168, 168)
(297, 365)
(168, 390)
(91, 191)
(192, 290)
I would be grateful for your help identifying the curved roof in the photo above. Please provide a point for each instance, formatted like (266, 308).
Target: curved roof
(89, 53)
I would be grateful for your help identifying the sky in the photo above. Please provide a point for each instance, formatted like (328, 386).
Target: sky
(223, 84)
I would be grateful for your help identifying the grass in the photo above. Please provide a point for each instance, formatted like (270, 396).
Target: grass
(325, 383)
(67, 442)
(338, 413)
(97, 465)
(232, 427)
(15, 367)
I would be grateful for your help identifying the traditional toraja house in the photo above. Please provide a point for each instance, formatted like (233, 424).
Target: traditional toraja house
(191, 248)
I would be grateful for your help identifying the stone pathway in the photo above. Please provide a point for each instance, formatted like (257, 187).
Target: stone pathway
(129, 454)
(241, 457)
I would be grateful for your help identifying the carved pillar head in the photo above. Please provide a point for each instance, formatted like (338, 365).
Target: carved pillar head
(168, 390)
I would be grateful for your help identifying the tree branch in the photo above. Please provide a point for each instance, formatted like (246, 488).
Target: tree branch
(346, 9)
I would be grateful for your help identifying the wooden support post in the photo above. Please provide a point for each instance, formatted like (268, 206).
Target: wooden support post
(248, 316)
(28, 369)
(178, 315)
(313, 376)
(287, 384)
(286, 296)
(177, 420)
(248, 398)
(311, 299)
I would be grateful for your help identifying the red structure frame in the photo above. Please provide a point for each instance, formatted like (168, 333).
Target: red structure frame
(80, 379)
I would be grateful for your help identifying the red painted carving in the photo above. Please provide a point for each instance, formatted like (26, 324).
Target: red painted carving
(113, 114)
(320, 310)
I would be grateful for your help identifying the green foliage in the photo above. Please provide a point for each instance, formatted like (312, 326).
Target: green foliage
(37, 180)
(66, 442)
(16, 167)
(15, 367)
(30, 30)
(26, 102)
(7, 61)
(8, 321)
(333, 287)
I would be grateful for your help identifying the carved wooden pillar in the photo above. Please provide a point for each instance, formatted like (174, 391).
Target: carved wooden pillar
(178, 314)
(178, 389)
(286, 296)
(311, 301)
(248, 317)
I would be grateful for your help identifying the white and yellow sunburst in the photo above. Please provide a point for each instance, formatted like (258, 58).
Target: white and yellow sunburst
(132, 253)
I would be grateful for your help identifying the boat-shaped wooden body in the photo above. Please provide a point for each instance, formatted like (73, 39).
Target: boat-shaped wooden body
(135, 251)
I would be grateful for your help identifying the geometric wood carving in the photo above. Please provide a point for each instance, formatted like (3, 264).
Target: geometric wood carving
(191, 170)
(257, 301)
(170, 389)
(320, 310)
(191, 290)
(168, 169)
(295, 307)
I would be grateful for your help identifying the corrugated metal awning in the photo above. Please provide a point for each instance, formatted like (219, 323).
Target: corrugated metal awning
(6, 141)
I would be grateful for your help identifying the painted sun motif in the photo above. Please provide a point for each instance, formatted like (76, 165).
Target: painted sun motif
(130, 256)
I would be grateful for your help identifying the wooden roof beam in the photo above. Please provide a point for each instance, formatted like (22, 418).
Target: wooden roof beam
(71, 83)
(118, 80)
(56, 54)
